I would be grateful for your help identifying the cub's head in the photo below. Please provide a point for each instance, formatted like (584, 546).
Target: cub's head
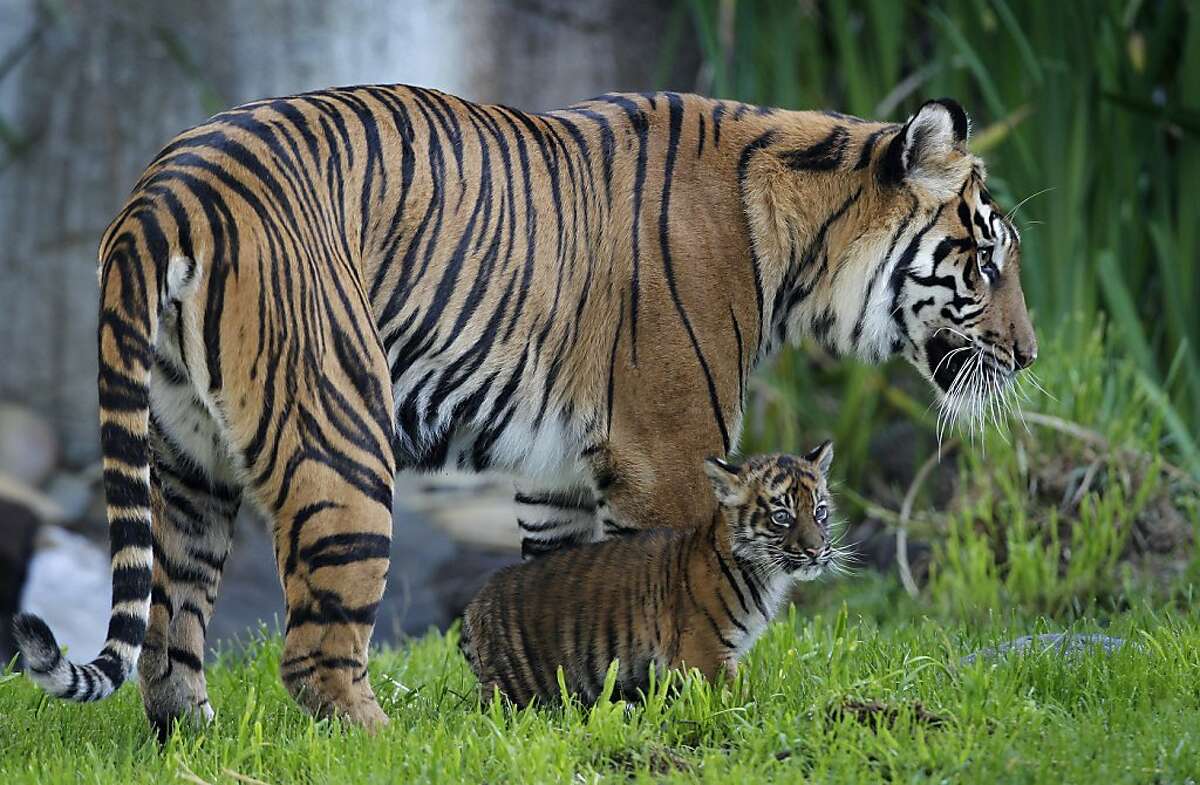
(778, 510)
(955, 295)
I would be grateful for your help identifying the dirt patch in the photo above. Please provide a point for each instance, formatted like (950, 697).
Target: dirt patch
(660, 760)
(875, 714)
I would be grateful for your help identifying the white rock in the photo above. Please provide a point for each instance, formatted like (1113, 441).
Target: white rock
(69, 586)
(44, 507)
(74, 493)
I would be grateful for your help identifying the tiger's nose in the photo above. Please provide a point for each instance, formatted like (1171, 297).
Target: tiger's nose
(812, 552)
(1023, 356)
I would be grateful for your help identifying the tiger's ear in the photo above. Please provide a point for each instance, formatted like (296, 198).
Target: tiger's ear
(726, 482)
(921, 152)
(822, 456)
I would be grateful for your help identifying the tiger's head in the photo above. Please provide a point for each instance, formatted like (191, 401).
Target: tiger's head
(881, 239)
(956, 301)
(779, 512)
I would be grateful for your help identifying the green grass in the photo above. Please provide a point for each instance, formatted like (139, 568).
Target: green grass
(1007, 561)
(1133, 716)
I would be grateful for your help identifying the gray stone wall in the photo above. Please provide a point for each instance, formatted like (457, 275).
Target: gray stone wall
(93, 89)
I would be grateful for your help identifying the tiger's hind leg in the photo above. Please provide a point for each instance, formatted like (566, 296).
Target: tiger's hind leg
(554, 518)
(332, 545)
(193, 512)
(324, 478)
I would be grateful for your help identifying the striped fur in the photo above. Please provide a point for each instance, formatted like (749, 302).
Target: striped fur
(658, 600)
(303, 295)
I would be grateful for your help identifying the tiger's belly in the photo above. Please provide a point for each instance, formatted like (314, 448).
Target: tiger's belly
(483, 425)
(547, 456)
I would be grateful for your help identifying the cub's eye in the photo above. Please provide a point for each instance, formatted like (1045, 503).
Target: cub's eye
(821, 513)
(986, 265)
(782, 517)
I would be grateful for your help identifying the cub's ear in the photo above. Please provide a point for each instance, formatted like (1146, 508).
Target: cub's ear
(822, 456)
(726, 482)
(921, 151)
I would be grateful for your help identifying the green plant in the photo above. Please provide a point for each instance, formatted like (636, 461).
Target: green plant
(1097, 129)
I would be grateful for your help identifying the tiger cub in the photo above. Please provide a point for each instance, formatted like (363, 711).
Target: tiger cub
(660, 599)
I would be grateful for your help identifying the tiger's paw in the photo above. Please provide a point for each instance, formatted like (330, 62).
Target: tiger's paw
(368, 715)
(195, 717)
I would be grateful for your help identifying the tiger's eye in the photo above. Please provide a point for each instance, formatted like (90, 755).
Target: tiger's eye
(782, 517)
(986, 265)
(821, 513)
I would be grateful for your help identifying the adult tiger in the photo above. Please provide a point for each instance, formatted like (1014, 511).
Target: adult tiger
(305, 294)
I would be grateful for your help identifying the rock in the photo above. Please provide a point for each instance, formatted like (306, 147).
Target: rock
(75, 493)
(429, 577)
(1063, 643)
(19, 525)
(68, 585)
(475, 509)
(38, 503)
(432, 576)
(456, 581)
(28, 446)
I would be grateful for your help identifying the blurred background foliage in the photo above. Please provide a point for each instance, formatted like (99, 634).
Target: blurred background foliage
(1088, 115)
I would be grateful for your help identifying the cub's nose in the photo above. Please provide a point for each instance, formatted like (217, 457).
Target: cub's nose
(1024, 354)
(812, 552)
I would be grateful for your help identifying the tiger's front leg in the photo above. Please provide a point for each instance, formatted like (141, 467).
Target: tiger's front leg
(649, 489)
(648, 473)
(551, 518)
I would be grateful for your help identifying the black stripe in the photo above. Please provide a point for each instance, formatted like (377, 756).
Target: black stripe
(676, 121)
(127, 628)
(729, 576)
(130, 583)
(856, 334)
(328, 609)
(550, 499)
(541, 526)
(120, 443)
(339, 549)
(531, 547)
(864, 158)
(823, 156)
(128, 532)
(124, 491)
(743, 165)
(687, 585)
(185, 658)
(737, 334)
(299, 520)
(111, 667)
(755, 596)
(640, 125)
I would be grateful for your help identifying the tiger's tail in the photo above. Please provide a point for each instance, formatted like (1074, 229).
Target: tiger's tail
(134, 255)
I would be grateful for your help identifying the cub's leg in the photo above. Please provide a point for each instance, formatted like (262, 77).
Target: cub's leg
(553, 518)
(193, 511)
